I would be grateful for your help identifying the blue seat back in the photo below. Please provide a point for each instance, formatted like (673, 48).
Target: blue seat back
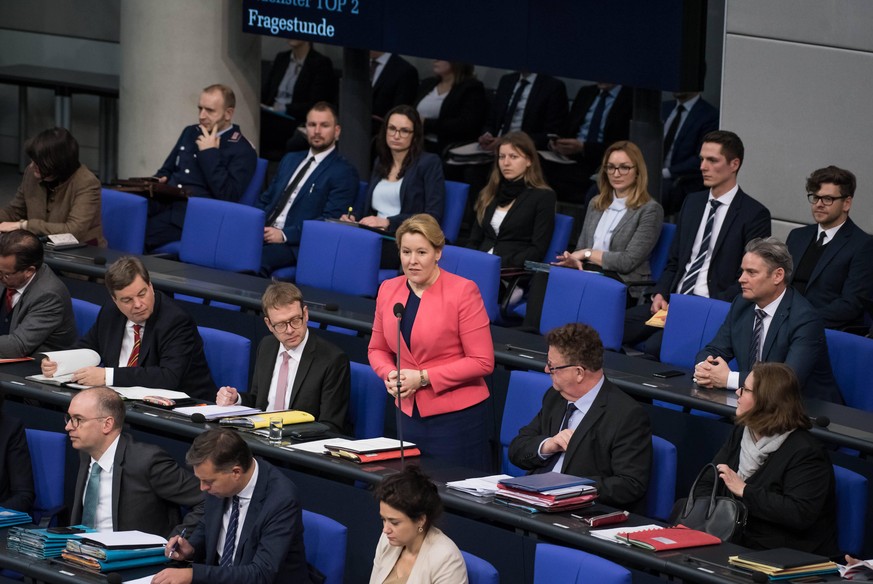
(524, 398)
(554, 564)
(453, 212)
(339, 257)
(692, 322)
(662, 482)
(586, 297)
(367, 402)
(222, 235)
(851, 490)
(658, 257)
(483, 268)
(85, 314)
(124, 219)
(48, 455)
(560, 237)
(325, 543)
(479, 571)
(228, 356)
(851, 356)
(256, 185)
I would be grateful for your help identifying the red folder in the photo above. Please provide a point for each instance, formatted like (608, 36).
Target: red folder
(362, 458)
(669, 538)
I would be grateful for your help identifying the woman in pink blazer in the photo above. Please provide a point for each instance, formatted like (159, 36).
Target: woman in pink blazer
(446, 350)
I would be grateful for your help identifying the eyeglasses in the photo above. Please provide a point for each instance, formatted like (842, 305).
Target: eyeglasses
(403, 132)
(550, 369)
(281, 327)
(743, 389)
(75, 421)
(622, 169)
(826, 200)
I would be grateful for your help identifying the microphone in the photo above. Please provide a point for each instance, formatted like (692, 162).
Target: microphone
(820, 421)
(398, 313)
(100, 261)
(114, 578)
(198, 418)
(328, 306)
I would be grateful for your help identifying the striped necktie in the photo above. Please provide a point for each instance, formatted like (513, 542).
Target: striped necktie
(757, 333)
(133, 360)
(230, 535)
(690, 278)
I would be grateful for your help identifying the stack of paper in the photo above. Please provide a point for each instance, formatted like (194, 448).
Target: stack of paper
(369, 450)
(551, 491)
(485, 487)
(9, 517)
(39, 543)
(106, 551)
(785, 563)
(68, 362)
(612, 533)
(216, 412)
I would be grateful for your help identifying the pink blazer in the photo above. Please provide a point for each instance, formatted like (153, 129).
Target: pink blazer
(451, 338)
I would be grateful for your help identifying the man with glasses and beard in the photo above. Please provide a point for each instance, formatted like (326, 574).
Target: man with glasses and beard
(295, 369)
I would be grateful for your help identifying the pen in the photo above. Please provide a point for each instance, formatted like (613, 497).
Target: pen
(176, 545)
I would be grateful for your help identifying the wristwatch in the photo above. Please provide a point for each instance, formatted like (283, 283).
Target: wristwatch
(424, 381)
(587, 254)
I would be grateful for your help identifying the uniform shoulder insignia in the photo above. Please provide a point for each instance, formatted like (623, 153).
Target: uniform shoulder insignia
(235, 137)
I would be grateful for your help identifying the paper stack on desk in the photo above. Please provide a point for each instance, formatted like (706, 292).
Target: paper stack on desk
(9, 517)
(785, 563)
(39, 543)
(68, 362)
(370, 449)
(484, 487)
(107, 551)
(550, 492)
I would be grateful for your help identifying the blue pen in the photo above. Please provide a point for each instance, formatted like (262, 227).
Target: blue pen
(176, 545)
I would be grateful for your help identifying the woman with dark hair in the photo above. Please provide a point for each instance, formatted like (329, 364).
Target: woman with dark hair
(16, 473)
(777, 468)
(57, 193)
(453, 106)
(515, 212)
(411, 550)
(405, 180)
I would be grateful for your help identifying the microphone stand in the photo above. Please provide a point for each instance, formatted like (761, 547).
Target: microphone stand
(398, 312)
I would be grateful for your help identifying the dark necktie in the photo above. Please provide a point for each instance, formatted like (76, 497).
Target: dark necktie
(283, 200)
(691, 277)
(513, 105)
(10, 294)
(671, 131)
(565, 423)
(133, 360)
(230, 535)
(92, 496)
(596, 118)
(821, 239)
(757, 333)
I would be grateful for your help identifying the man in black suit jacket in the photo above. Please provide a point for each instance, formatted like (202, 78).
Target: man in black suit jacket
(138, 486)
(250, 501)
(681, 169)
(317, 376)
(584, 144)
(298, 79)
(606, 436)
(835, 272)
(791, 331)
(541, 108)
(143, 338)
(711, 271)
(394, 81)
(41, 316)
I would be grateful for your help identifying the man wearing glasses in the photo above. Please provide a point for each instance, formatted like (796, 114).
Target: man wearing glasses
(587, 427)
(294, 368)
(833, 256)
(36, 313)
(313, 184)
(123, 485)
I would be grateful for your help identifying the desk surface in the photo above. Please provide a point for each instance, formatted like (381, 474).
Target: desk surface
(61, 80)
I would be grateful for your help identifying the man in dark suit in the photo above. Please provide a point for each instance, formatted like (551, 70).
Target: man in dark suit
(317, 184)
(686, 121)
(394, 81)
(252, 530)
(600, 115)
(587, 426)
(711, 235)
(298, 79)
(834, 258)
(532, 103)
(211, 159)
(295, 369)
(143, 338)
(769, 322)
(123, 485)
(36, 314)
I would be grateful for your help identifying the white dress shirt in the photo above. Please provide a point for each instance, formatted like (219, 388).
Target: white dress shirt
(279, 223)
(245, 499)
(294, 355)
(701, 288)
(126, 349)
(733, 381)
(103, 516)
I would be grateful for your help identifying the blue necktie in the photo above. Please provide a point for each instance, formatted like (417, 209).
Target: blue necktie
(596, 119)
(690, 278)
(513, 105)
(92, 496)
(230, 536)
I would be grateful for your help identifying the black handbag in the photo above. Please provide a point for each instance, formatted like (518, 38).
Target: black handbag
(723, 517)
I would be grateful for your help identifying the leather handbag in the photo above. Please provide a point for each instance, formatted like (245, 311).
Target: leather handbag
(723, 517)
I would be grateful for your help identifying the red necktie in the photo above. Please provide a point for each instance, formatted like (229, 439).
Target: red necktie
(10, 294)
(134, 353)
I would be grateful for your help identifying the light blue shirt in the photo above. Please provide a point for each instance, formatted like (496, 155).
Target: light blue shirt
(583, 404)
(610, 100)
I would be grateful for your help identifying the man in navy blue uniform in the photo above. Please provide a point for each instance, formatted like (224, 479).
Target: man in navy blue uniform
(211, 159)
(314, 184)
